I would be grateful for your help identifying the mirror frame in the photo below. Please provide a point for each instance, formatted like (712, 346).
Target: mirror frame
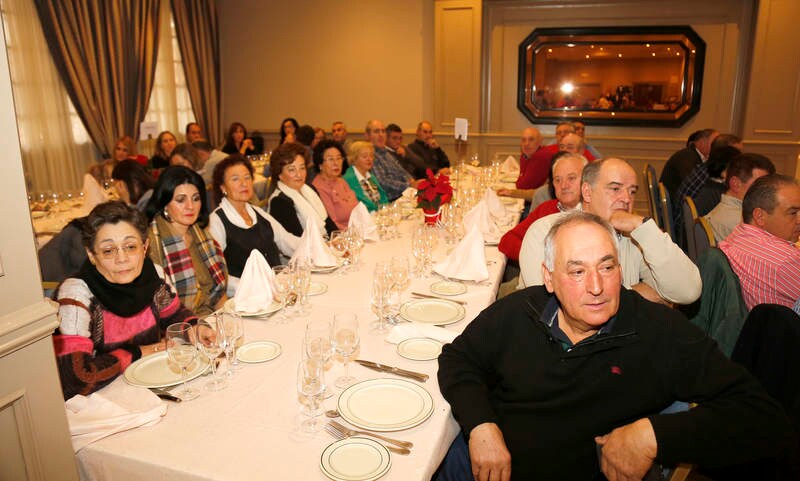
(692, 81)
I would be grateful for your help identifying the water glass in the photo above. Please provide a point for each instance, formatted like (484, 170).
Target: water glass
(182, 352)
(283, 283)
(210, 341)
(301, 269)
(318, 344)
(234, 330)
(310, 386)
(379, 295)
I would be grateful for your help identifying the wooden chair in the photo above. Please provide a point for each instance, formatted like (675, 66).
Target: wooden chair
(652, 194)
(665, 208)
(703, 236)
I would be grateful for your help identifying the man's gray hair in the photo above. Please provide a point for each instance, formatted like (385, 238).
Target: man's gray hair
(574, 217)
(568, 155)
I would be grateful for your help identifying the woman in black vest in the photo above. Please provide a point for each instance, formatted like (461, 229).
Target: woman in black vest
(240, 227)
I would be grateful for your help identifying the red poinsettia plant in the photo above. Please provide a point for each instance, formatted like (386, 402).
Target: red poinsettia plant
(434, 191)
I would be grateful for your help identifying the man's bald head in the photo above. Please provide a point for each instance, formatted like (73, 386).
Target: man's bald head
(530, 140)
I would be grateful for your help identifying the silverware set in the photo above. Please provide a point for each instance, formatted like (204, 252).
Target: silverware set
(428, 296)
(340, 431)
(417, 376)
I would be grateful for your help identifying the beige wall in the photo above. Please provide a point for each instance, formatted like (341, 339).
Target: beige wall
(321, 61)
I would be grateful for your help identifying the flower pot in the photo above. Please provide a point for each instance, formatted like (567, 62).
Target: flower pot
(432, 215)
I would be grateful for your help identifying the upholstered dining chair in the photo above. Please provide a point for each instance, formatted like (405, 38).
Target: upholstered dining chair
(689, 212)
(652, 194)
(665, 208)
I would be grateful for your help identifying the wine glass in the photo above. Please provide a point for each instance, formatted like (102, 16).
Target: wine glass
(302, 283)
(283, 287)
(234, 329)
(182, 352)
(345, 341)
(340, 245)
(310, 386)
(210, 340)
(356, 244)
(318, 344)
(379, 295)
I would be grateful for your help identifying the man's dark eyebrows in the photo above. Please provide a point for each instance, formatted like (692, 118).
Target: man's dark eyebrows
(614, 183)
(609, 257)
(575, 263)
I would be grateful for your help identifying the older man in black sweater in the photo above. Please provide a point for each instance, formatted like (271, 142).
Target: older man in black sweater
(539, 381)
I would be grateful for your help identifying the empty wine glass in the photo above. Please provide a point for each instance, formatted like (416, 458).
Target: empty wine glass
(379, 295)
(234, 329)
(340, 246)
(345, 341)
(318, 344)
(210, 340)
(356, 244)
(310, 386)
(182, 352)
(302, 282)
(283, 286)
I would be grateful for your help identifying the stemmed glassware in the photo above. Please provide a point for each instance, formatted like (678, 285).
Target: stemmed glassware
(356, 243)
(283, 284)
(182, 352)
(310, 386)
(210, 340)
(301, 269)
(345, 341)
(318, 344)
(423, 242)
(234, 329)
(380, 293)
(340, 246)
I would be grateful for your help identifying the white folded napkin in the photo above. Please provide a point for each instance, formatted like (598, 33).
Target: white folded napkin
(312, 248)
(93, 193)
(409, 330)
(409, 194)
(496, 207)
(115, 408)
(509, 165)
(255, 289)
(467, 261)
(360, 219)
(480, 217)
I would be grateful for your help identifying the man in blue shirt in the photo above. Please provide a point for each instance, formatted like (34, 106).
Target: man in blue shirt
(391, 175)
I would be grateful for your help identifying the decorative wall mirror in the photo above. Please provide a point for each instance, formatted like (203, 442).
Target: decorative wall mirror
(645, 76)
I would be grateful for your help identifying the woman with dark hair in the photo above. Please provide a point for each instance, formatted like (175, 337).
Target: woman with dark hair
(240, 227)
(289, 128)
(237, 142)
(336, 195)
(293, 201)
(134, 185)
(192, 260)
(165, 144)
(115, 309)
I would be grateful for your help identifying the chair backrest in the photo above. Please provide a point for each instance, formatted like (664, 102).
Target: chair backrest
(689, 218)
(665, 207)
(722, 309)
(703, 236)
(652, 194)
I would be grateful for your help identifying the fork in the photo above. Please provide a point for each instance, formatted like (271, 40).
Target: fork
(352, 432)
(340, 435)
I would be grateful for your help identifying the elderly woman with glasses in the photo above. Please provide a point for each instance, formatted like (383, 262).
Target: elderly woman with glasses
(293, 202)
(191, 258)
(115, 309)
(337, 196)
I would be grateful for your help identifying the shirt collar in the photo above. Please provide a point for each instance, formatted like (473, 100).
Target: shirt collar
(549, 318)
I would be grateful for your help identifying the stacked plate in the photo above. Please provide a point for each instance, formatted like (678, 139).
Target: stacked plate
(439, 312)
(385, 404)
(355, 459)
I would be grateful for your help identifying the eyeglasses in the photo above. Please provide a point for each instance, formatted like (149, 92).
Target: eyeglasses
(110, 252)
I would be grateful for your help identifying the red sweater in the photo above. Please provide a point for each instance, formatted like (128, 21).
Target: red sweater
(511, 242)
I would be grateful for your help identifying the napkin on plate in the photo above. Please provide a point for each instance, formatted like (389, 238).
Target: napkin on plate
(409, 330)
(496, 207)
(467, 261)
(115, 408)
(312, 248)
(360, 219)
(510, 165)
(480, 217)
(255, 289)
(93, 193)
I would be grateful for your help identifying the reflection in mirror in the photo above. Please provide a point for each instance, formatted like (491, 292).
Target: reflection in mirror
(632, 76)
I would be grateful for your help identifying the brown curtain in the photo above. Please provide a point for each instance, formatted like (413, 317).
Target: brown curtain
(105, 52)
(198, 37)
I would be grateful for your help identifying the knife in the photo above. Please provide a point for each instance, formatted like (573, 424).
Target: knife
(393, 370)
(428, 296)
(165, 395)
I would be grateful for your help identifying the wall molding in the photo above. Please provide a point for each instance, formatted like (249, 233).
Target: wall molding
(26, 326)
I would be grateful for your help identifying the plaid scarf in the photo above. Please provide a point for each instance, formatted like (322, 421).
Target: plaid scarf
(174, 256)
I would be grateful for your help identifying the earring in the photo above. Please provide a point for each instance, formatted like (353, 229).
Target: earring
(224, 194)
(166, 215)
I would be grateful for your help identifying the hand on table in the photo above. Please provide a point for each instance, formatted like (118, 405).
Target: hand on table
(490, 458)
(628, 451)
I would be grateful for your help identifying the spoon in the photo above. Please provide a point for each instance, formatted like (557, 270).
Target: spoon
(332, 413)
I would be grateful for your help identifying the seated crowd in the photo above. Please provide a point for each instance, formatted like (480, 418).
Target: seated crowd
(581, 356)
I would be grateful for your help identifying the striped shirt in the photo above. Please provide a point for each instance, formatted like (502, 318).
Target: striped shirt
(768, 267)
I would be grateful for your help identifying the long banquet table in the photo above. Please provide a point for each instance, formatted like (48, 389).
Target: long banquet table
(250, 429)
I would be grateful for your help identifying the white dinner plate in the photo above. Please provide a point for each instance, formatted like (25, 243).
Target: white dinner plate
(420, 349)
(509, 179)
(385, 404)
(439, 312)
(448, 288)
(157, 370)
(230, 308)
(258, 351)
(355, 459)
(317, 288)
(323, 270)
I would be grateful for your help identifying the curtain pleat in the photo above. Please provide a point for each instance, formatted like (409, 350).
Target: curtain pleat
(198, 37)
(105, 52)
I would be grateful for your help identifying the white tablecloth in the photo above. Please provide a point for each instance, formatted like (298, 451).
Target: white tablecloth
(250, 429)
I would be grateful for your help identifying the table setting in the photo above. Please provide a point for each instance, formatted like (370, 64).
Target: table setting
(361, 353)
